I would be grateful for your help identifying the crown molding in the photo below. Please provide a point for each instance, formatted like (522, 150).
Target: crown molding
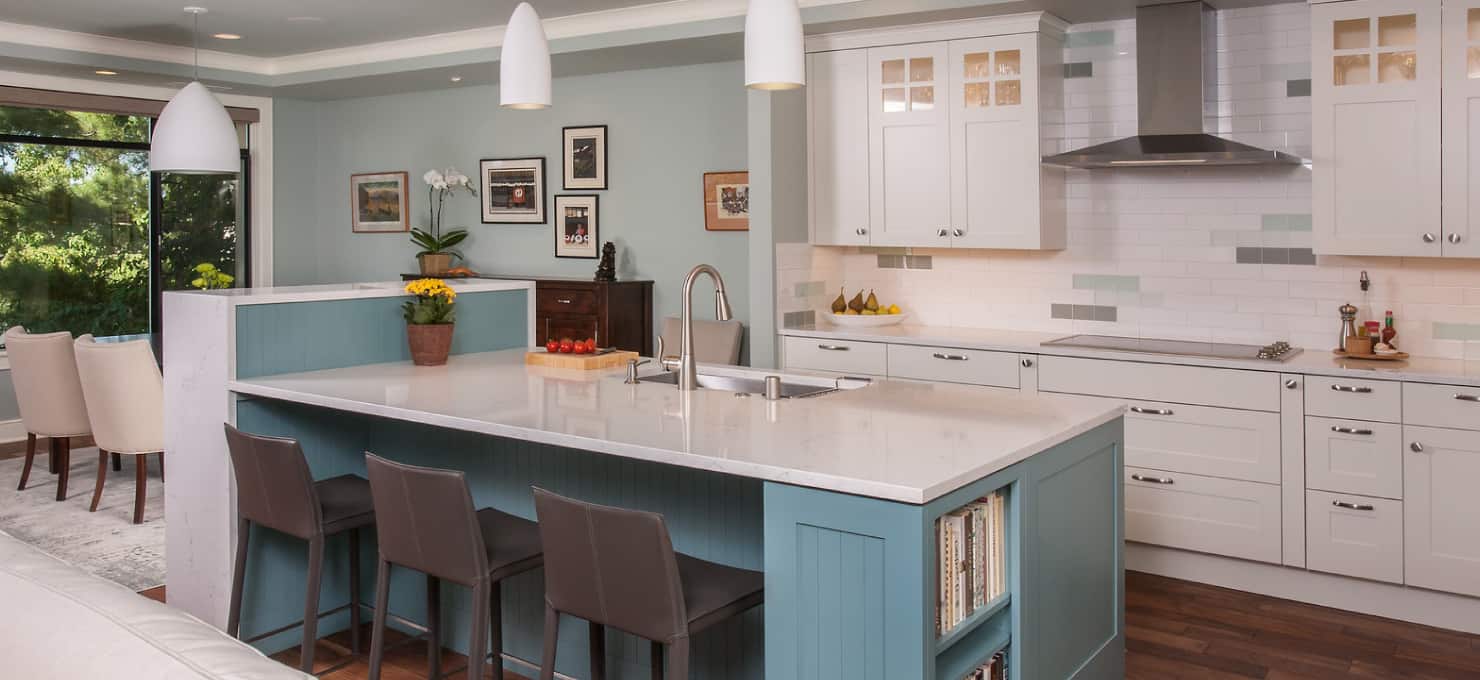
(55, 38)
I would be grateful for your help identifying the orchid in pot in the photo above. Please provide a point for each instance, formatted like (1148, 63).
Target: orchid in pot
(437, 247)
(429, 318)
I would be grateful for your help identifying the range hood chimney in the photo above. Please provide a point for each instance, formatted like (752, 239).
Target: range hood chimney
(1176, 90)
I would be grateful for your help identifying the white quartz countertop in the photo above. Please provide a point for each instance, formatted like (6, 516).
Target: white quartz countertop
(900, 441)
(345, 291)
(1312, 361)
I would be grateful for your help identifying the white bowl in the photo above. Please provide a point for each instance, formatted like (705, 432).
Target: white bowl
(865, 321)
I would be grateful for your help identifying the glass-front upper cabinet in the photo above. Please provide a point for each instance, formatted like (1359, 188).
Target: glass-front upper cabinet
(909, 147)
(1461, 132)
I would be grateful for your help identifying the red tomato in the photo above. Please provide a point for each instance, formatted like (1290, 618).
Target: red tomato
(552, 346)
(567, 346)
(580, 348)
(591, 345)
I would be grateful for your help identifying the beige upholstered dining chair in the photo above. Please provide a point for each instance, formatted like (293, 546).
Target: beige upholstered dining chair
(125, 403)
(50, 397)
(715, 342)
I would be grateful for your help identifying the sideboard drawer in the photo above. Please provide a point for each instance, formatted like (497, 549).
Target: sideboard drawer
(943, 364)
(1251, 390)
(838, 356)
(562, 300)
(1354, 456)
(1206, 514)
(1377, 400)
(1203, 440)
(1441, 406)
(1354, 535)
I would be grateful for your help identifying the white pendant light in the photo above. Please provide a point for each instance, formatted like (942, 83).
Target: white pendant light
(194, 134)
(773, 46)
(524, 62)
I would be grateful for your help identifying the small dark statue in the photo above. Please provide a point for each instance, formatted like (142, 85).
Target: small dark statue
(607, 270)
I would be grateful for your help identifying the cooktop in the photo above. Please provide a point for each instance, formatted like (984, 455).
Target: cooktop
(1275, 351)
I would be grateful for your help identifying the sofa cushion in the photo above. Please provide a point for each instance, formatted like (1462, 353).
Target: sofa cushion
(60, 623)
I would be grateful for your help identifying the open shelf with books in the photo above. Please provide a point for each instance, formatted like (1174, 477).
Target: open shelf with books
(971, 579)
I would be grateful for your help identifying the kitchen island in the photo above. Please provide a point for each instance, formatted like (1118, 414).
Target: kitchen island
(834, 497)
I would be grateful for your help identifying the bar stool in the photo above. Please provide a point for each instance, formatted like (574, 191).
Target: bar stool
(427, 523)
(275, 489)
(617, 567)
(49, 394)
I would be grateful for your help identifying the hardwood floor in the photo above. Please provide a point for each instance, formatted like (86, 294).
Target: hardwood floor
(1175, 630)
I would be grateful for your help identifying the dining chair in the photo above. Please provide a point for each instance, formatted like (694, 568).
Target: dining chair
(125, 404)
(715, 342)
(49, 394)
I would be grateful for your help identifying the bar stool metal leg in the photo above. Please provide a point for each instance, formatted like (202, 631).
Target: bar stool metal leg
(311, 603)
(238, 576)
(478, 636)
(434, 627)
(598, 651)
(678, 658)
(552, 635)
(656, 661)
(377, 627)
(496, 626)
(354, 591)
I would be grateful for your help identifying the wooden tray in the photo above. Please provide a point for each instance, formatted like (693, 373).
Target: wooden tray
(1371, 357)
(580, 362)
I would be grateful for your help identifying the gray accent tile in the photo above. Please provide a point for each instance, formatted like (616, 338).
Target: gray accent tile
(891, 261)
(1302, 256)
(809, 288)
(919, 262)
(1059, 311)
(1274, 255)
(798, 319)
(1106, 313)
(1299, 87)
(1079, 69)
(1285, 222)
(1084, 312)
(1089, 39)
(1107, 282)
(1249, 256)
(1456, 331)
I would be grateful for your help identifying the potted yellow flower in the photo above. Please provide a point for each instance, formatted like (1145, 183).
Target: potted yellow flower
(429, 320)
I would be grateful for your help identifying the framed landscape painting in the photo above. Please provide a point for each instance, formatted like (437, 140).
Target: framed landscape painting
(576, 227)
(379, 203)
(584, 154)
(513, 190)
(727, 201)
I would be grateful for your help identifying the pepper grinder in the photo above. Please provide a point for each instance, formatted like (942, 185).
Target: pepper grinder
(1348, 324)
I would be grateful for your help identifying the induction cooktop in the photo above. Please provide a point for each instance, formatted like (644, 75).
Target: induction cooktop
(1275, 351)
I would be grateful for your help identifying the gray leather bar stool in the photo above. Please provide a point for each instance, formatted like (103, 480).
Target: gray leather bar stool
(427, 523)
(275, 489)
(617, 567)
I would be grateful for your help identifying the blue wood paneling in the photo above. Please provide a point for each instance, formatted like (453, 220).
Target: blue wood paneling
(307, 336)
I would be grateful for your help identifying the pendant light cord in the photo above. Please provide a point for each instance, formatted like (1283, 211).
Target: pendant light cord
(195, 41)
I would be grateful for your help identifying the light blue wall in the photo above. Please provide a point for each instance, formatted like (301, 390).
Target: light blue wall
(9, 410)
(666, 128)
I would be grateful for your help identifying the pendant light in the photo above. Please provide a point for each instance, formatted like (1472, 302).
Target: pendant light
(524, 62)
(194, 134)
(773, 46)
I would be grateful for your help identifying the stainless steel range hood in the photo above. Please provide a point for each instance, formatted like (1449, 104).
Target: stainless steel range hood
(1176, 85)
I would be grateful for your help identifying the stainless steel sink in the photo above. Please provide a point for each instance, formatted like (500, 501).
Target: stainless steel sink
(726, 383)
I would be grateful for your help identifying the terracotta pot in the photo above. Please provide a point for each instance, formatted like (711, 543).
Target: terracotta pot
(430, 342)
(434, 264)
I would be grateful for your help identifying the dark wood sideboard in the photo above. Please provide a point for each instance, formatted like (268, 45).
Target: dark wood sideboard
(617, 313)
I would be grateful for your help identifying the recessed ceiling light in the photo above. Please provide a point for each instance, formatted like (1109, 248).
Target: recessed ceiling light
(456, 79)
(227, 36)
(105, 72)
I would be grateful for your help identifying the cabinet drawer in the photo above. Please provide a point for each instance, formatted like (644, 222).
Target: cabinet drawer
(1441, 406)
(565, 301)
(1252, 390)
(1353, 456)
(1203, 440)
(838, 356)
(1354, 535)
(941, 364)
(1206, 514)
(1353, 399)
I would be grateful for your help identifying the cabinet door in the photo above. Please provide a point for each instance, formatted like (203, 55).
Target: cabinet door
(1375, 76)
(1462, 128)
(909, 150)
(837, 116)
(1442, 520)
(994, 142)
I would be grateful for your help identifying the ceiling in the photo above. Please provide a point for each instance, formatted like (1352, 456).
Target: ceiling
(276, 28)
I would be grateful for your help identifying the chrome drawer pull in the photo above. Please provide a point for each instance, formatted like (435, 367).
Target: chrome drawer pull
(1151, 411)
(1473, 398)
(833, 348)
(949, 357)
(562, 301)
(1354, 390)
(1350, 430)
(1352, 506)
(1153, 480)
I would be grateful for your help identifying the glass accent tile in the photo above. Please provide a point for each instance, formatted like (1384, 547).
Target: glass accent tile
(1351, 34)
(894, 100)
(1352, 69)
(922, 98)
(1400, 30)
(1472, 58)
(922, 69)
(1009, 63)
(978, 65)
(1009, 92)
(978, 95)
(893, 71)
(1396, 67)
(1473, 19)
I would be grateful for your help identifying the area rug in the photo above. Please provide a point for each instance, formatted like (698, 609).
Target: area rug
(105, 543)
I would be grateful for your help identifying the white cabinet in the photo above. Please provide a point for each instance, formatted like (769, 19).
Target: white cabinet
(1440, 467)
(945, 364)
(835, 356)
(1206, 514)
(909, 146)
(1353, 456)
(837, 124)
(1461, 131)
(1354, 536)
(1217, 442)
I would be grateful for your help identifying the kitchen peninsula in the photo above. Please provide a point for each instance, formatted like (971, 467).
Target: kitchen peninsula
(835, 497)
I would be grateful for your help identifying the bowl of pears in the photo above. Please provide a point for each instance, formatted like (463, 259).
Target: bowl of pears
(863, 312)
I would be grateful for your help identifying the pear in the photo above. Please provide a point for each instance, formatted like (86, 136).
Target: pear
(856, 304)
(840, 305)
(873, 302)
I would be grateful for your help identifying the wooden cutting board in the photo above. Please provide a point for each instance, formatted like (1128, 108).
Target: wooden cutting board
(580, 362)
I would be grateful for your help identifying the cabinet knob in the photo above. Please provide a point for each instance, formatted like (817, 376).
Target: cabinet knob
(1417, 447)
(1455, 238)
(1027, 363)
(1429, 238)
(958, 232)
(860, 231)
(942, 233)
(1292, 384)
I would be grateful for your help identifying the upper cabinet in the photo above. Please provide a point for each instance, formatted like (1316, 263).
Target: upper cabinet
(1392, 127)
(930, 136)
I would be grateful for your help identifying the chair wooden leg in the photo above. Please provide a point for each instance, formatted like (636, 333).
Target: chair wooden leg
(656, 661)
(238, 578)
(141, 486)
(377, 626)
(55, 452)
(434, 627)
(117, 463)
(478, 635)
(354, 592)
(552, 636)
(311, 603)
(597, 635)
(102, 476)
(678, 659)
(30, 458)
(161, 467)
(63, 447)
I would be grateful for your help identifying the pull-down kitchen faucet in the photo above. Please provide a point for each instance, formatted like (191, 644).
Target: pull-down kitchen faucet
(688, 376)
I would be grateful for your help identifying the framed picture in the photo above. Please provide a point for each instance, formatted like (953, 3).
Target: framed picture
(379, 203)
(727, 201)
(513, 190)
(585, 157)
(576, 227)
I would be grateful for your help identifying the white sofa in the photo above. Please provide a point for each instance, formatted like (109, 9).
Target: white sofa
(58, 623)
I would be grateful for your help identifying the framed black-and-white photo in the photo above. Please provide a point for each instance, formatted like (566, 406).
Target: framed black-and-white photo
(576, 227)
(513, 190)
(585, 157)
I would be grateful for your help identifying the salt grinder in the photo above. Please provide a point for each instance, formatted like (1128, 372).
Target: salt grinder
(1348, 324)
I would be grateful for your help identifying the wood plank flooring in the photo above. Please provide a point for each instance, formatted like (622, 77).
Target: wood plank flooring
(1175, 630)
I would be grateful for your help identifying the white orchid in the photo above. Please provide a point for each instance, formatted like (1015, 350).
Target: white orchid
(432, 177)
(441, 183)
(456, 179)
